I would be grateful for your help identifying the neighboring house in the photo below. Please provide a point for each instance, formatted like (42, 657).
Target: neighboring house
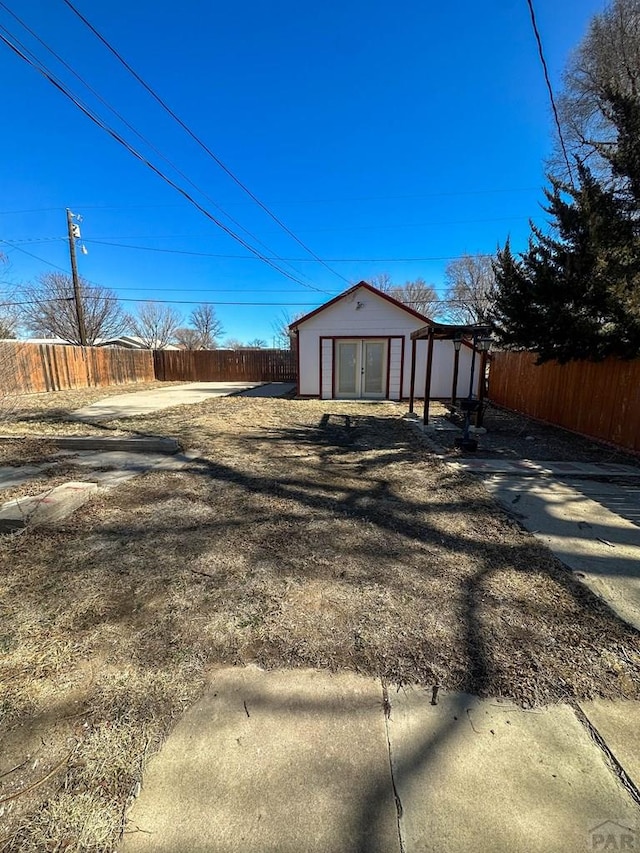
(45, 341)
(131, 342)
(124, 341)
(358, 345)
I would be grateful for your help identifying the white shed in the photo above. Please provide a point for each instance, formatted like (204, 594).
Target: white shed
(358, 345)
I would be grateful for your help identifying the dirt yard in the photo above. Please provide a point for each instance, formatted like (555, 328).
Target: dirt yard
(307, 534)
(514, 436)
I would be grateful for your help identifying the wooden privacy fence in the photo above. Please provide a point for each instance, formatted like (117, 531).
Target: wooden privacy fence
(266, 365)
(29, 368)
(600, 399)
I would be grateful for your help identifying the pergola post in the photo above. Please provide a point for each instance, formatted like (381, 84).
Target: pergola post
(481, 382)
(427, 380)
(413, 374)
(454, 384)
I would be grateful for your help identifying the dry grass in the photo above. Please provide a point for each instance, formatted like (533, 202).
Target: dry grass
(308, 534)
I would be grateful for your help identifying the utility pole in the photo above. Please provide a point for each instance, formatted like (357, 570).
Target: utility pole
(74, 233)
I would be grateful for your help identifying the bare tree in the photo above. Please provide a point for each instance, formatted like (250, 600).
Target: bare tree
(50, 309)
(471, 289)
(419, 295)
(8, 311)
(204, 320)
(233, 343)
(382, 281)
(188, 338)
(155, 324)
(607, 61)
(285, 339)
(257, 343)
(8, 323)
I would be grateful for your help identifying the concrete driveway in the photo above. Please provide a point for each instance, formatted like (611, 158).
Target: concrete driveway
(143, 402)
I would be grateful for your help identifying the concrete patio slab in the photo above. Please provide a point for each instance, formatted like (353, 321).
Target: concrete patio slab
(622, 498)
(276, 762)
(122, 459)
(599, 545)
(144, 402)
(10, 476)
(528, 467)
(438, 423)
(484, 775)
(142, 444)
(46, 508)
(111, 479)
(179, 461)
(618, 724)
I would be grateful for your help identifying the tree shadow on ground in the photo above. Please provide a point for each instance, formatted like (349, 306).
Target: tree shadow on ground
(336, 544)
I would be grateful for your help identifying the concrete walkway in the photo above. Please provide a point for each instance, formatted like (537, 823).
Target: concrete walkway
(292, 761)
(592, 526)
(104, 470)
(596, 541)
(144, 402)
(530, 468)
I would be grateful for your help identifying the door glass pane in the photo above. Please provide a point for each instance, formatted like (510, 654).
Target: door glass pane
(373, 367)
(347, 367)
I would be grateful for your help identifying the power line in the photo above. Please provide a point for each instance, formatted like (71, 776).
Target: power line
(86, 295)
(270, 304)
(37, 257)
(545, 69)
(442, 194)
(14, 244)
(197, 139)
(29, 210)
(33, 240)
(244, 257)
(135, 153)
(140, 136)
(462, 192)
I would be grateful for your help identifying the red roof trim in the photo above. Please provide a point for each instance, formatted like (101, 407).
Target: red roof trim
(366, 286)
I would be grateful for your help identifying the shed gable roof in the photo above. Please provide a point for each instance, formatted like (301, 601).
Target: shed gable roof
(353, 289)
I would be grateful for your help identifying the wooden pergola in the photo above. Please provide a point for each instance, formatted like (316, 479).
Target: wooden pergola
(468, 335)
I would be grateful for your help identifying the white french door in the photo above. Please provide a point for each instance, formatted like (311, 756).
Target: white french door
(361, 368)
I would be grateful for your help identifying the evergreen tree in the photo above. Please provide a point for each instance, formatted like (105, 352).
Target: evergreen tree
(569, 296)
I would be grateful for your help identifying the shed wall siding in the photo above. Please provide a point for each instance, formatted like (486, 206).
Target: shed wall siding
(395, 368)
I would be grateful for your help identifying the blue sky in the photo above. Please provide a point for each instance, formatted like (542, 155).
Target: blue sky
(373, 130)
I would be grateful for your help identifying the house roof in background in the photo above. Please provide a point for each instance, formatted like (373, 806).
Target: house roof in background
(353, 289)
(126, 341)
